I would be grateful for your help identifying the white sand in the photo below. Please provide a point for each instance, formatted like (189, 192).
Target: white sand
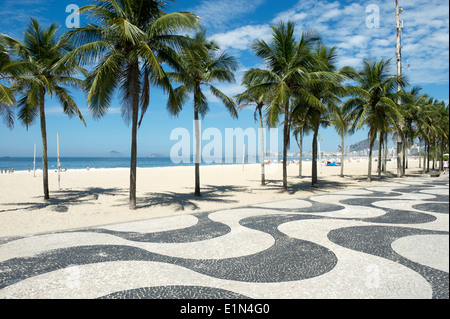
(100, 197)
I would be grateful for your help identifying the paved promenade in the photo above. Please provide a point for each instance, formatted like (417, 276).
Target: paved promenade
(389, 241)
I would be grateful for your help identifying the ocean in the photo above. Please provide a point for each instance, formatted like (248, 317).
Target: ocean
(22, 163)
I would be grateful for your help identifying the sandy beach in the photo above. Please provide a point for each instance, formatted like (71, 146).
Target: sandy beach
(100, 197)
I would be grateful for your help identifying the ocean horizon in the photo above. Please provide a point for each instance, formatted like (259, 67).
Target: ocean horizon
(71, 163)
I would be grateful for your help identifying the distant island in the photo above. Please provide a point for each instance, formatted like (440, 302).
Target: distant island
(363, 145)
(115, 154)
(156, 155)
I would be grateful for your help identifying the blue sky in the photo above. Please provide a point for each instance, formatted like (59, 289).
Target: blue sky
(235, 24)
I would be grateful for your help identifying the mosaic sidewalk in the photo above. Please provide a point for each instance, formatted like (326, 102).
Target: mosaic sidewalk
(389, 241)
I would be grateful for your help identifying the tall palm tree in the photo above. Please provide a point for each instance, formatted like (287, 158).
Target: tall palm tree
(128, 42)
(40, 52)
(372, 104)
(286, 60)
(258, 99)
(202, 64)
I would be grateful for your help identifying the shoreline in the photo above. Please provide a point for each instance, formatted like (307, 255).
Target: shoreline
(100, 196)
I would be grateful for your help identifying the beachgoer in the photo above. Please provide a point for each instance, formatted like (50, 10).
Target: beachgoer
(1, 171)
(29, 168)
(445, 167)
(87, 167)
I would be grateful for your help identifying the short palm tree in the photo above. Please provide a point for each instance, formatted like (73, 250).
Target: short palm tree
(202, 64)
(372, 104)
(259, 101)
(300, 128)
(40, 52)
(128, 42)
(342, 126)
(413, 102)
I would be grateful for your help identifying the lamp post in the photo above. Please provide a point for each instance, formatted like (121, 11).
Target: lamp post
(399, 10)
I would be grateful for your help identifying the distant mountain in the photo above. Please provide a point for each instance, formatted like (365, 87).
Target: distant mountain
(363, 145)
(115, 154)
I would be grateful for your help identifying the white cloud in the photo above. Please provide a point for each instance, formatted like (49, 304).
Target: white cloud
(425, 36)
(215, 14)
(241, 38)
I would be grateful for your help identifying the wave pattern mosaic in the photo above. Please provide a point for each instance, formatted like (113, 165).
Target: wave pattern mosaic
(388, 241)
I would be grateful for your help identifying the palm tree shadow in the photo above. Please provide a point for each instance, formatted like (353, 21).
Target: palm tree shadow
(298, 185)
(61, 201)
(188, 201)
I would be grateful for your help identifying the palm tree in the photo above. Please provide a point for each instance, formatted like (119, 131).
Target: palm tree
(202, 64)
(441, 123)
(41, 51)
(327, 88)
(286, 60)
(10, 70)
(301, 127)
(129, 42)
(413, 103)
(258, 99)
(6, 95)
(372, 103)
(342, 126)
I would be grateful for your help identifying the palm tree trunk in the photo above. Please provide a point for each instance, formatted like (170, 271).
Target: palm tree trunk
(300, 162)
(428, 157)
(135, 116)
(434, 155)
(44, 143)
(314, 159)
(441, 160)
(420, 151)
(197, 152)
(197, 144)
(285, 145)
(424, 155)
(385, 152)
(342, 155)
(380, 147)
(261, 134)
(405, 142)
(369, 172)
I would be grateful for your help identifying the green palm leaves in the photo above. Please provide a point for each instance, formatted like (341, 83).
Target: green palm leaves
(7, 71)
(128, 43)
(372, 104)
(38, 73)
(300, 81)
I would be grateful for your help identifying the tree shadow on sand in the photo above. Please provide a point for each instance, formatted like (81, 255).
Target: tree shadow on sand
(188, 201)
(60, 201)
(298, 185)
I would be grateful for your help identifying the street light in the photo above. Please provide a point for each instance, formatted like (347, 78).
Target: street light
(398, 11)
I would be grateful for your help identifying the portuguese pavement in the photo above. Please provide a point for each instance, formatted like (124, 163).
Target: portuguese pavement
(383, 242)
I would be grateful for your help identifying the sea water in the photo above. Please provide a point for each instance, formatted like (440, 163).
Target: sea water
(25, 163)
